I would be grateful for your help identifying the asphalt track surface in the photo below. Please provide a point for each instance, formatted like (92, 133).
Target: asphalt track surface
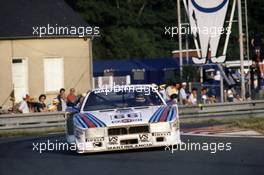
(246, 157)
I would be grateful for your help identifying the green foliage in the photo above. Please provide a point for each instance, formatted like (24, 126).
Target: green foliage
(135, 28)
(129, 28)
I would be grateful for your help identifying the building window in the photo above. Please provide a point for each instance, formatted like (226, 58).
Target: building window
(138, 74)
(53, 74)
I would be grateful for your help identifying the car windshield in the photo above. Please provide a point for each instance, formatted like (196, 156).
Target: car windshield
(110, 100)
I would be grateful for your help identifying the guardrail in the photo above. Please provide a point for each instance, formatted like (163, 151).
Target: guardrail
(55, 120)
(223, 110)
(32, 122)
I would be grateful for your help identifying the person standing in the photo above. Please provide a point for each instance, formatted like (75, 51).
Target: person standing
(204, 95)
(256, 44)
(61, 106)
(173, 89)
(183, 94)
(173, 100)
(24, 106)
(193, 97)
(71, 98)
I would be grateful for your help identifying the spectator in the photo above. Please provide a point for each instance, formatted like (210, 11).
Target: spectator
(162, 91)
(24, 106)
(193, 97)
(80, 100)
(173, 100)
(204, 95)
(61, 100)
(238, 98)
(183, 94)
(211, 99)
(53, 107)
(41, 106)
(71, 98)
(217, 77)
(256, 44)
(171, 89)
(230, 95)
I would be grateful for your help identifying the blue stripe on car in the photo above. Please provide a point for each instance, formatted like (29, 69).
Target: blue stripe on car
(174, 114)
(93, 120)
(102, 123)
(159, 115)
(75, 120)
(170, 113)
(154, 115)
(81, 121)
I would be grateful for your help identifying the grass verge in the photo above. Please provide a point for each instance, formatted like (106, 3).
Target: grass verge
(249, 123)
(256, 124)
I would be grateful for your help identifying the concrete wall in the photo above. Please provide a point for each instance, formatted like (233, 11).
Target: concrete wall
(74, 51)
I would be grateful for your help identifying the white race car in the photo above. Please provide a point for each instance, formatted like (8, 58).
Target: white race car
(123, 117)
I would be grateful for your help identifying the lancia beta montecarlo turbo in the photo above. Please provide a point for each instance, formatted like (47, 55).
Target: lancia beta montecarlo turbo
(123, 117)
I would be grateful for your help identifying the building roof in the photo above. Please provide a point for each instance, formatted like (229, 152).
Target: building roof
(18, 17)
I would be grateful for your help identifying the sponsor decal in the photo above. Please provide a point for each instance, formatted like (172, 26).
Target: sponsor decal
(113, 140)
(133, 115)
(208, 15)
(96, 139)
(127, 120)
(209, 9)
(129, 146)
(157, 134)
(143, 137)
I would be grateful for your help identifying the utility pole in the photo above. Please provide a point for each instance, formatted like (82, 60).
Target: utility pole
(180, 34)
(91, 62)
(241, 48)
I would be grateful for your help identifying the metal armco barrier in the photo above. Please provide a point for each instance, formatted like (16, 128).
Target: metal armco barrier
(45, 121)
(32, 122)
(223, 110)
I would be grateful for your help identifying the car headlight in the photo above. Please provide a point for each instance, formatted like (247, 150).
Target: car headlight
(160, 127)
(175, 125)
(95, 132)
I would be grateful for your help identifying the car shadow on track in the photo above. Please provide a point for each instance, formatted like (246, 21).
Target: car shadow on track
(116, 152)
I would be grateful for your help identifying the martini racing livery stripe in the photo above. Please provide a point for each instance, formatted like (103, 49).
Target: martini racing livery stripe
(96, 120)
(167, 113)
(87, 120)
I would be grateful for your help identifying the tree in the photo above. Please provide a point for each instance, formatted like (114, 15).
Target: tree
(135, 28)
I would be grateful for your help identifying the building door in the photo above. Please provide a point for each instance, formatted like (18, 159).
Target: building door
(53, 74)
(20, 77)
